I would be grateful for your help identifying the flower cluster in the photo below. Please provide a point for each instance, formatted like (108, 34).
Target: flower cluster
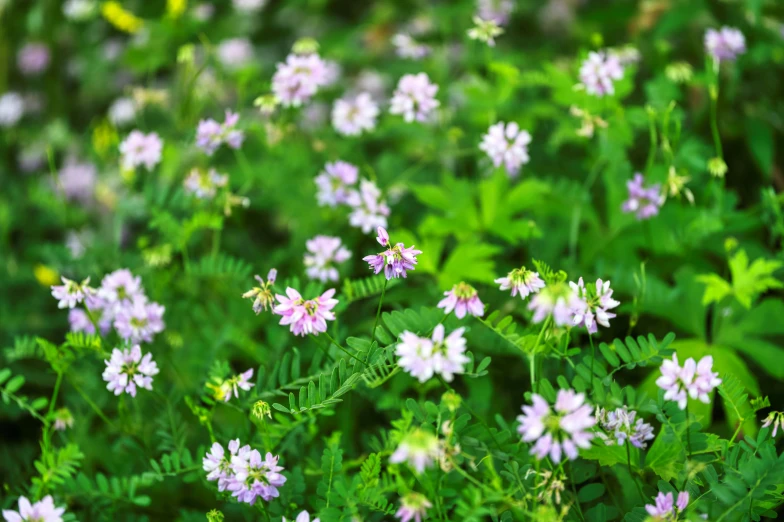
(119, 301)
(368, 209)
(262, 294)
(413, 506)
(560, 430)
(205, 184)
(305, 316)
(334, 183)
(666, 508)
(63, 419)
(498, 11)
(725, 44)
(11, 109)
(596, 301)
(424, 357)
(521, 281)
(414, 98)
(645, 202)
(693, 379)
(77, 180)
(33, 59)
(507, 145)
(127, 369)
(599, 72)
(304, 516)
(141, 149)
(42, 511)
(407, 47)
(485, 31)
(244, 472)
(353, 116)
(463, 299)
(558, 301)
(210, 134)
(775, 418)
(420, 449)
(298, 78)
(223, 389)
(324, 253)
(395, 261)
(623, 425)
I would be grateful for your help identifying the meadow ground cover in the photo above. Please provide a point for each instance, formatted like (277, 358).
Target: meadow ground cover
(397, 260)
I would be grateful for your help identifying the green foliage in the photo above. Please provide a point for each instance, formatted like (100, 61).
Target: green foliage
(748, 280)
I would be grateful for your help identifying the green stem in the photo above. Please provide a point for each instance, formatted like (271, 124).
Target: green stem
(55, 392)
(629, 463)
(688, 432)
(714, 120)
(593, 356)
(216, 237)
(94, 406)
(378, 311)
(333, 341)
(652, 133)
(532, 362)
(472, 412)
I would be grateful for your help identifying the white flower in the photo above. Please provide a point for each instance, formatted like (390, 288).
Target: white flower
(351, 117)
(599, 71)
(414, 98)
(508, 145)
(11, 109)
(127, 369)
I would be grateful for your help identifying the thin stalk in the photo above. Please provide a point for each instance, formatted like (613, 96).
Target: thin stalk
(688, 432)
(472, 412)
(92, 405)
(631, 472)
(55, 392)
(378, 310)
(593, 356)
(333, 341)
(532, 361)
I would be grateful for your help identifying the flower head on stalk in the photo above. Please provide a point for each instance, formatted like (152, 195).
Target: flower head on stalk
(218, 465)
(63, 419)
(463, 299)
(223, 389)
(726, 44)
(255, 477)
(324, 254)
(560, 430)
(559, 301)
(71, 293)
(262, 294)
(521, 281)
(666, 508)
(485, 31)
(353, 116)
(599, 72)
(210, 134)
(507, 145)
(693, 379)
(623, 425)
(414, 98)
(205, 184)
(305, 316)
(775, 418)
(595, 300)
(424, 357)
(644, 201)
(395, 261)
(127, 369)
(413, 506)
(420, 449)
(334, 181)
(140, 320)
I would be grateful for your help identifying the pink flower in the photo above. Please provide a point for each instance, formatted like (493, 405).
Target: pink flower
(559, 301)
(422, 357)
(599, 71)
(726, 44)
(210, 134)
(126, 369)
(305, 317)
(695, 380)
(395, 261)
(645, 202)
(664, 508)
(521, 281)
(255, 477)
(414, 507)
(369, 211)
(414, 98)
(235, 53)
(420, 449)
(71, 293)
(507, 145)
(334, 181)
(324, 254)
(407, 47)
(42, 511)
(298, 78)
(557, 432)
(462, 298)
(33, 59)
(139, 321)
(353, 116)
(594, 304)
(141, 149)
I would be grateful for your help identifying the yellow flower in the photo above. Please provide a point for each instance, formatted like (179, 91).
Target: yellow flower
(45, 275)
(104, 137)
(175, 8)
(120, 18)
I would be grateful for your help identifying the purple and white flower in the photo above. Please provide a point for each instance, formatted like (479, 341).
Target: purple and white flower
(33, 59)
(667, 509)
(407, 47)
(205, 184)
(695, 380)
(333, 183)
(413, 506)
(599, 72)
(122, 111)
(139, 321)
(262, 294)
(235, 53)
(424, 357)
(210, 134)
(496, 10)
(218, 465)
(255, 477)
(99, 311)
(645, 202)
(776, 419)
(420, 449)
(71, 293)
(12, 109)
(369, 211)
(395, 261)
(77, 180)
(127, 369)
(324, 254)
(121, 287)
(305, 316)
(298, 78)
(414, 98)
(560, 430)
(224, 389)
(623, 425)
(507, 145)
(595, 302)
(725, 44)
(353, 116)
(63, 419)
(141, 149)
(463, 299)
(558, 301)
(42, 511)
(304, 516)
(521, 281)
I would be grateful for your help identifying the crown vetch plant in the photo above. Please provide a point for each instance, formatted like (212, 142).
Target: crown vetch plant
(574, 313)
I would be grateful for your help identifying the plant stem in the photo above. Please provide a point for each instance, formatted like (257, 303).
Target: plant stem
(333, 341)
(688, 432)
(378, 311)
(55, 392)
(471, 411)
(593, 356)
(532, 362)
(629, 463)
